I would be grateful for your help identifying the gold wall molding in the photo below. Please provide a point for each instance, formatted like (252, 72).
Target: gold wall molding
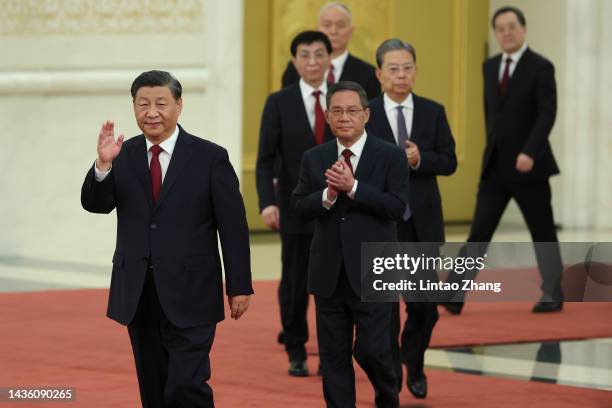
(47, 17)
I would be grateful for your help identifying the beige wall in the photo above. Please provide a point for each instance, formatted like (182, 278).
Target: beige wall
(66, 67)
(575, 36)
(549, 40)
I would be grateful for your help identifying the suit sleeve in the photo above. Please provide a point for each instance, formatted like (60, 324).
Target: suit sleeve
(484, 94)
(390, 203)
(230, 217)
(269, 139)
(290, 76)
(546, 105)
(306, 198)
(98, 196)
(442, 160)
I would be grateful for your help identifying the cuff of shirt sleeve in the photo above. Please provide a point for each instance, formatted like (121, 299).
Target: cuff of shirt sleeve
(101, 175)
(327, 204)
(351, 194)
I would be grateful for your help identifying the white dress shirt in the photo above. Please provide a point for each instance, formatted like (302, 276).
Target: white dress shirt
(407, 110)
(391, 111)
(309, 100)
(516, 56)
(338, 64)
(357, 150)
(164, 156)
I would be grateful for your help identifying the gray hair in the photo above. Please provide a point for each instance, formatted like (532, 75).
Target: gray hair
(393, 44)
(336, 4)
(347, 86)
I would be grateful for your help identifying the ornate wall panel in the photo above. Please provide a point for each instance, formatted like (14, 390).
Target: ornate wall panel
(44, 17)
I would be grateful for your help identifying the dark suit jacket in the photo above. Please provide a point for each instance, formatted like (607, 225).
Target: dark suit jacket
(284, 136)
(199, 197)
(380, 200)
(520, 121)
(430, 131)
(354, 69)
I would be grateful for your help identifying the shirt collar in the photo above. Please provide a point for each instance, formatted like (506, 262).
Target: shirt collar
(516, 56)
(390, 104)
(168, 144)
(339, 61)
(307, 90)
(356, 148)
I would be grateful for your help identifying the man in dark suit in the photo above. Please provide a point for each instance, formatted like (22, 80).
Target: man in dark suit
(419, 126)
(292, 122)
(173, 193)
(335, 21)
(354, 188)
(520, 102)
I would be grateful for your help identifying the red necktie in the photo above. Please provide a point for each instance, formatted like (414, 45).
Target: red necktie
(156, 174)
(331, 79)
(346, 153)
(503, 85)
(319, 127)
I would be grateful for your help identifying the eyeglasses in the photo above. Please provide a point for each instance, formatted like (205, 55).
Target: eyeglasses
(352, 112)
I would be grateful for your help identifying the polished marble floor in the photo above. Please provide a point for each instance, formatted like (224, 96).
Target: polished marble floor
(586, 363)
(581, 363)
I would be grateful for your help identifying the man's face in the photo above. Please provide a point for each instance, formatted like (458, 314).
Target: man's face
(311, 61)
(397, 74)
(335, 23)
(346, 116)
(509, 32)
(156, 112)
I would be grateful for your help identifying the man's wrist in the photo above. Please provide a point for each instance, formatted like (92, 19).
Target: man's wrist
(103, 166)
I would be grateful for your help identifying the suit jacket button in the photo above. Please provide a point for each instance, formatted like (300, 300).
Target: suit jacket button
(153, 226)
(342, 219)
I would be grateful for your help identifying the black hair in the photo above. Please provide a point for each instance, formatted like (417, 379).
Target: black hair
(519, 15)
(392, 45)
(309, 37)
(157, 78)
(347, 86)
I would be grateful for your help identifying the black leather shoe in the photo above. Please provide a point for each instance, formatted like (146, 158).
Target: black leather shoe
(453, 308)
(298, 368)
(547, 307)
(280, 339)
(418, 388)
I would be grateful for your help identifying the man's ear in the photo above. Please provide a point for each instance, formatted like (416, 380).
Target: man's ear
(327, 117)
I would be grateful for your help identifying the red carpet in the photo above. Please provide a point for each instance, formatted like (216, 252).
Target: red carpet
(61, 338)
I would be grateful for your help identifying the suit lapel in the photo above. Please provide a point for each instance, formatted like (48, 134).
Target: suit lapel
(367, 159)
(180, 156)
(417, 119)
(140, 163)
(519, 71)
(330, 156)
(382, 127)
(298, 100)
(347, 69)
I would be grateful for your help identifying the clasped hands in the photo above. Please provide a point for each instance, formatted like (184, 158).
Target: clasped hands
(412, 153)
(339, 178)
